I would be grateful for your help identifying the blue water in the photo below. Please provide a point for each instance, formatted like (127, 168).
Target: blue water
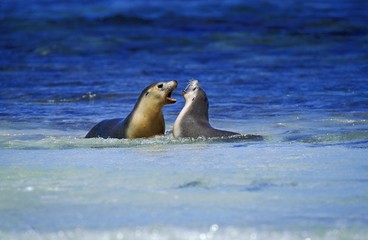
(294, 72)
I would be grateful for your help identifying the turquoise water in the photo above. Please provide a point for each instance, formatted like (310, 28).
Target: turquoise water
(196, 190)
(292, 71)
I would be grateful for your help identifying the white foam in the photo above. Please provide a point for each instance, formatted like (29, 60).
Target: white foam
(214, 232)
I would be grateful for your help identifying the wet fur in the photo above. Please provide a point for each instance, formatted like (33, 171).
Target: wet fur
(121, 128)
(193, 120)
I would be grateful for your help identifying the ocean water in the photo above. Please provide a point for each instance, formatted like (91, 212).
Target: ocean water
(294, 72)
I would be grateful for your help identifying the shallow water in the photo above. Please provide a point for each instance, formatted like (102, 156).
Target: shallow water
(293, 72)
(183, 191)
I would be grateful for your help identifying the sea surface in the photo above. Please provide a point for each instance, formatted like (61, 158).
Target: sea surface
(295, 72)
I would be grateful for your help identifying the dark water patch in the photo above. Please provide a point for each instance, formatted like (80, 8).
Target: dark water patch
(193, 184)
(255, 186)
(259, 185)
(239, 145)
(358, 144)
(122, 19)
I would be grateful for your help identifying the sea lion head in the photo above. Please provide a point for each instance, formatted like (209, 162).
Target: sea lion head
(194, 93)
(160, 92)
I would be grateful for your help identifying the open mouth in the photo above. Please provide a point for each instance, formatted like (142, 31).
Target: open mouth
(187, 89)
(169, 99)
(191, 86)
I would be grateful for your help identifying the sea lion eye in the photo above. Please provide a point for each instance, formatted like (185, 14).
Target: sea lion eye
(194, 88)
(160, 85)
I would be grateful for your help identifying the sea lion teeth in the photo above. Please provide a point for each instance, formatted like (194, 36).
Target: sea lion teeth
(171, 100)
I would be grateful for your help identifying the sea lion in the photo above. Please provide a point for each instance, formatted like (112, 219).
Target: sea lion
(146, 118)
(193, 120)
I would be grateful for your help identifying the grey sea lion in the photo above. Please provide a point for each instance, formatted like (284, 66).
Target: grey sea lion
(146, 118)
(193, 120)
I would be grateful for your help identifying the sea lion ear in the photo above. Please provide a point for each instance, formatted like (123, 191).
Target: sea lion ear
(146, 93)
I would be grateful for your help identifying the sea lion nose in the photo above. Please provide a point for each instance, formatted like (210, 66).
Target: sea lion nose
(175, 83)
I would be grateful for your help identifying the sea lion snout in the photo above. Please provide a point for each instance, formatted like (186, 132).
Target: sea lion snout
(171, 86)
(193, 90)
(193, 84)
